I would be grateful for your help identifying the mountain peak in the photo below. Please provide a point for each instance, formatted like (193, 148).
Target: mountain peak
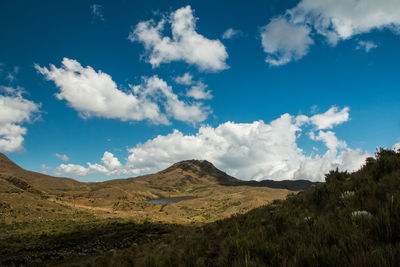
(193, 165)
(202, 170)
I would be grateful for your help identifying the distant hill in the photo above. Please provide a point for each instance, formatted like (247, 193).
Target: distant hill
(293, 185)
(213, 194)
(206, 172)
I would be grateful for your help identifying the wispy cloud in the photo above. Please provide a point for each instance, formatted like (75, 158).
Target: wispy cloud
(231, 33)
(97, 12)
(366, 45)
(62, 157)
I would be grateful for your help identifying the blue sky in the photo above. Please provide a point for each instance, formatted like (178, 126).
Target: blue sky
(330, 67)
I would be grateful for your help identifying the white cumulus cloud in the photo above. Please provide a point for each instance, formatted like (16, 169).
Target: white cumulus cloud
(158, 89)
(95, 94)
(110, 162)
(71, 169)
(329, 138)
(110, 166)
(330, 118)
(249, 151)
(185, 44)
(15, 110)
(334, 19)
(199, 91)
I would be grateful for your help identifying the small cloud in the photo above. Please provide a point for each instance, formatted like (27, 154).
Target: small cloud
(185, 79)
(231, 33)
(284, 41)
(366, 45)
(330, 118)
(97, 12)
(314, 109)
(198, 91)
(17, 91)
(45, 167)
(396, 146)
(62, 157)
(12, 76)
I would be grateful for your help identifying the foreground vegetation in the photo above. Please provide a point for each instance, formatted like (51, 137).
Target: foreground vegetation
(352, 219)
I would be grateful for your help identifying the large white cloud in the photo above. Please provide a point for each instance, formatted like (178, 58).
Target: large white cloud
(14, 111)
(95, 94)
(184, 45)
(334, 19)
(256, 150)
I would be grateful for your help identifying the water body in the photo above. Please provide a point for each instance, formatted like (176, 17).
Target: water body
(170, 200)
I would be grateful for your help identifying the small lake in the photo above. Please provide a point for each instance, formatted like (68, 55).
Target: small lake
(165, 201)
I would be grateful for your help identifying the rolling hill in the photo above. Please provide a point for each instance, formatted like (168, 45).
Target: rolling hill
(211, 194)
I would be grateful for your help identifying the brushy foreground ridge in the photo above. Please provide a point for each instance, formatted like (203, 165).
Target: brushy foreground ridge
(350, 220)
